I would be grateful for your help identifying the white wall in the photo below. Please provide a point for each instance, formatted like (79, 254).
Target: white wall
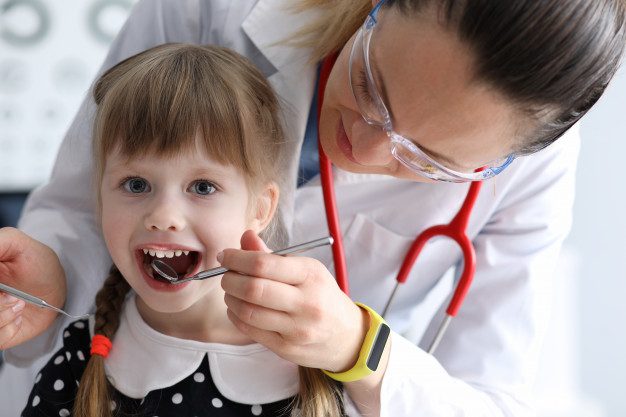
(599, 238)
(49, 53)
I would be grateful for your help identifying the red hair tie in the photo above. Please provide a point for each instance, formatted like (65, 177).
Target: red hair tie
(100, 345)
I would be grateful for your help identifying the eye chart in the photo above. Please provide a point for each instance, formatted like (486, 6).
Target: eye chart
(50, 51)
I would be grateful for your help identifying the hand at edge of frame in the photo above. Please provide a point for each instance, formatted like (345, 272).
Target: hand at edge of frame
(30, 266)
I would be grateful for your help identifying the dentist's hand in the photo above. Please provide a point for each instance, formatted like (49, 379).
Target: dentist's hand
(32, 267)
(293, 306)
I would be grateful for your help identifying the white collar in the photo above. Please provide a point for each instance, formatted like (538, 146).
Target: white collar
(144, 360)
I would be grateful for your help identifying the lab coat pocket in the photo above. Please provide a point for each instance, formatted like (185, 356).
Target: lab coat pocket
(374, 255)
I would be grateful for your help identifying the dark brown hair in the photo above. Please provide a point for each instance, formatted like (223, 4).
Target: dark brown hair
(552, 58)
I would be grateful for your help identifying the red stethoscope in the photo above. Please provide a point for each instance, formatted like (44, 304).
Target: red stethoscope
(455, 230)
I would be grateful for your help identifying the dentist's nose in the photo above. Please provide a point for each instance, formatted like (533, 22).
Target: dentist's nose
(370, 144)
(164, 215)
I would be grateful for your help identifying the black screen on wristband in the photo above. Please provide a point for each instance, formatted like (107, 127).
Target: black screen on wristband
(378, 347)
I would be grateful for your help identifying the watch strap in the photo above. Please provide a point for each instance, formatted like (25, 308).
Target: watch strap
(371, 349)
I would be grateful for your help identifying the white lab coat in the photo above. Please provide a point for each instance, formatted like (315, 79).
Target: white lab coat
(486, 361)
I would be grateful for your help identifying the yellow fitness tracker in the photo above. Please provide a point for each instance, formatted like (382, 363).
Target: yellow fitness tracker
(371, 350)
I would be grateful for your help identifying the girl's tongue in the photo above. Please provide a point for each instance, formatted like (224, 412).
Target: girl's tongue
(183, 264)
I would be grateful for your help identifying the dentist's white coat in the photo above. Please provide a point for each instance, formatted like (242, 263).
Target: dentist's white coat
(486, 361)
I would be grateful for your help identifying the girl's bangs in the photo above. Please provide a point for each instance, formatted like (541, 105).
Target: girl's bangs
(172, 106)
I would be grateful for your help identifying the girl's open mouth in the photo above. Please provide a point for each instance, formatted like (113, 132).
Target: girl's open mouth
(184, 262)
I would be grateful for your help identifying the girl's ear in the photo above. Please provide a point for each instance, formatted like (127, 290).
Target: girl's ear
(265, 207)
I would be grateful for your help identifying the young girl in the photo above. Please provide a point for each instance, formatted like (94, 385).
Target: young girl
(186, 141)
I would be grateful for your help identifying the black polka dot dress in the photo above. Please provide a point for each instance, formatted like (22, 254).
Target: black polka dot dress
(196, 395)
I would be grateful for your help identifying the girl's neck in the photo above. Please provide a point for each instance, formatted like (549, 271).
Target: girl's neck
(205, 321)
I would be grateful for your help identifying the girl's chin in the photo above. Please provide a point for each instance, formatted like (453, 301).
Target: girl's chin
(156, 303)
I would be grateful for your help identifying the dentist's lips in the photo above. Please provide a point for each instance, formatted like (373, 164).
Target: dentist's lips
(343, 143)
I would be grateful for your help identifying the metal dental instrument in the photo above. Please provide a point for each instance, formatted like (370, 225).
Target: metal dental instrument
(37, 301)
(169, 274)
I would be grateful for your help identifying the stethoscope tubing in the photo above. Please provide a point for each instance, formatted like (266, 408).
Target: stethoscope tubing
(455, 230)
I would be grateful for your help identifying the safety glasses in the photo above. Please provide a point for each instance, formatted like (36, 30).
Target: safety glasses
(375, 113)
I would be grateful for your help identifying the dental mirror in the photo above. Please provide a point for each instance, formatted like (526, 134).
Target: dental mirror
(168, 273)
(164, 270)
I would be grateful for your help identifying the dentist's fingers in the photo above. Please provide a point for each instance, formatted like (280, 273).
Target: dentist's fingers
(10, 321)
(260, 317)
(289, 270)
(34, 268)
(292, 305)
(260, 291)
(253, 259)
(9, 313)
(267, 338)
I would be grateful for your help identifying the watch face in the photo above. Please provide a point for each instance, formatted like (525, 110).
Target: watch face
(378, 347)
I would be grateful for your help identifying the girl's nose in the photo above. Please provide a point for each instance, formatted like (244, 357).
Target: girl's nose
(370, 144)
(164, 215)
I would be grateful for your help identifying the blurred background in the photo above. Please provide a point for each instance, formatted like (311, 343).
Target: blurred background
(51, 50)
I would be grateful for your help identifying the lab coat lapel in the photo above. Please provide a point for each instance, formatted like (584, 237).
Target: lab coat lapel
(269, 26)
(271, 23)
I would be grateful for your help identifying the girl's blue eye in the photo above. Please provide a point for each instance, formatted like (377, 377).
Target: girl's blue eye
(202, 187)
(136, 185)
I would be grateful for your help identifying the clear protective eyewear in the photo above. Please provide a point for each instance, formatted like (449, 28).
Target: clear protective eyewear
(375, 113)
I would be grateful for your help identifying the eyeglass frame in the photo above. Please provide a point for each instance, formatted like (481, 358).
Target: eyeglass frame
(434, 170)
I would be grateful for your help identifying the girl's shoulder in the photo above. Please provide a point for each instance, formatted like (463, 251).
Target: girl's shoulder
(55, 385)
(77, 339)
(74, 353)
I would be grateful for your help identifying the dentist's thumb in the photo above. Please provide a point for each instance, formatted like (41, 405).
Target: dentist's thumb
(251, 241)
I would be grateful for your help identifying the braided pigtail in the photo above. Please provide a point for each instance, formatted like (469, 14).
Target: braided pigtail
(93, 398)
(319, 395)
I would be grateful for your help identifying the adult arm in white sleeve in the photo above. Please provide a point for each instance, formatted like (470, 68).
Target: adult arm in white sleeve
(61, 213)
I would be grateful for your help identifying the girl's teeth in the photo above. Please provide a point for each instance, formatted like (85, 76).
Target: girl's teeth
(165, 253)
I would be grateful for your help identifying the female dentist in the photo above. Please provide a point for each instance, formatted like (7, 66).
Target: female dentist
(464, 85)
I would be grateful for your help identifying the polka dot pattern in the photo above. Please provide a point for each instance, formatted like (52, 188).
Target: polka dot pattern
(196, 395)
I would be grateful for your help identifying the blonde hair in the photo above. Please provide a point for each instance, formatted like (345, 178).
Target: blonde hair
(157, 102)
(331, 29)
(93, 397)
